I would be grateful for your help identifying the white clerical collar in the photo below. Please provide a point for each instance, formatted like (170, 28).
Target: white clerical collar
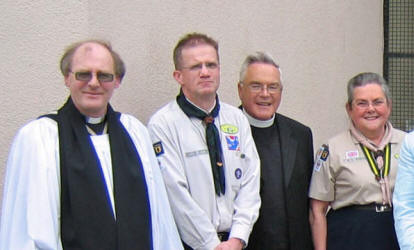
(206, 111)
(94, 120)
(259, 123)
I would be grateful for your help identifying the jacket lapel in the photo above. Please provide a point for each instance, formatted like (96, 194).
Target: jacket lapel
(288, 148)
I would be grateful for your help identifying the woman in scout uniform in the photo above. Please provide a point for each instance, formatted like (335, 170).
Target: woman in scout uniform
(355, 173)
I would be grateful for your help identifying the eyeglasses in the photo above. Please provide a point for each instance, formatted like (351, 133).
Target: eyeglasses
(271, 88)
(199, 67)
(86, 76)
(364, 104)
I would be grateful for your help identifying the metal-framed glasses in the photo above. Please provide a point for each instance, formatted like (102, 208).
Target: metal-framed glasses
(86, 76)
(364, 104)
(258, 87)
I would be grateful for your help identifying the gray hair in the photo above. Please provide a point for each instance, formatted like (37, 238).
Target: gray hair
(363, 79)
(257, 57)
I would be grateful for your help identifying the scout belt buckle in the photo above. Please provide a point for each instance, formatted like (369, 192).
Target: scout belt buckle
(382, 208)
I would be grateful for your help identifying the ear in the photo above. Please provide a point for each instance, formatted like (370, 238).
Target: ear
(348, 108)
(178, 76)
(240, 90)
(67, 81)
(117, 82)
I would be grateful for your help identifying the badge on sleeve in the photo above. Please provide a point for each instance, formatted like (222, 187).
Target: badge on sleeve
(321, 157)
(158, 149)
(325, 152)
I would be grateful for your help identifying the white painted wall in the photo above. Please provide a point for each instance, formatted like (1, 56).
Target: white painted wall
(319, 45)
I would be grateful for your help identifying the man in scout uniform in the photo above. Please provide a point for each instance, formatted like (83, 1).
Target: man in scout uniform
(206, 154)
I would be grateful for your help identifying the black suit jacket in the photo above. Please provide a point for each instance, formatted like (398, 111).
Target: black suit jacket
(297, 160)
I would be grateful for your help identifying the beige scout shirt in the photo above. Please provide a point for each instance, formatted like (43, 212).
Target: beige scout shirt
(345, 178)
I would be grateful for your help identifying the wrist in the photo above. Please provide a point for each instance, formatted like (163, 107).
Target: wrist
(241, 242)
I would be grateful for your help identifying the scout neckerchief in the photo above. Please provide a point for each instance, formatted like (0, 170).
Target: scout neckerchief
(379, 158)
(212, 138)
(87, 219)
(379, 162)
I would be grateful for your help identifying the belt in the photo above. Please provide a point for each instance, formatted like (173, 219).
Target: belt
(223, 236)
(379, 208)
(382, 208)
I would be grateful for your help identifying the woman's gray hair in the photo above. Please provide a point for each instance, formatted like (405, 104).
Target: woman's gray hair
(257, 57)
(363, 79)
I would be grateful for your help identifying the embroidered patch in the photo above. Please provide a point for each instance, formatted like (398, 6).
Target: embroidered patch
(321, 156)
(325, 152)
(238, 173)
(318, 165)
(232, 142)
(229, 129)
(158, 149)
(351, 154)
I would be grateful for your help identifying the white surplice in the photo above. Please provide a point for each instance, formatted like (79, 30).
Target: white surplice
(31, 200)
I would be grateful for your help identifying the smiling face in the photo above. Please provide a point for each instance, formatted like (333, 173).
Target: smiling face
(91, 97)
(369, 110)
(199, 73)
(258, 92)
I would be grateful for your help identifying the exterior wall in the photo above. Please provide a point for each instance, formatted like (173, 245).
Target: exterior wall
(319, 45)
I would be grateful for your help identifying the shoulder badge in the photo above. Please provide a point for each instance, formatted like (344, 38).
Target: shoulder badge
(324, 152)
(321, 156)
(158, 149)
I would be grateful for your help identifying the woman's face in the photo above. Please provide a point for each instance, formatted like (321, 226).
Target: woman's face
(369, 110)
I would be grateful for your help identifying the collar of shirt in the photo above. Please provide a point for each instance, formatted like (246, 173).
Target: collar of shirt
(259, 123)
(206, 111)
(94, 120)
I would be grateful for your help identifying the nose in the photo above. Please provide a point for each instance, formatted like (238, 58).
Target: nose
(204, 70)
(94, 82)
(371, 106)
(264, 91)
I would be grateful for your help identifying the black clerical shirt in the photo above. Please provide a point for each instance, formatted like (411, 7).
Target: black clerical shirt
(272, 222)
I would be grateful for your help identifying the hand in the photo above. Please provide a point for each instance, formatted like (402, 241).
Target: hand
(231, 244)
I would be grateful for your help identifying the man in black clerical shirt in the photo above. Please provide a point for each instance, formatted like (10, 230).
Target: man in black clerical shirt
(286, 154)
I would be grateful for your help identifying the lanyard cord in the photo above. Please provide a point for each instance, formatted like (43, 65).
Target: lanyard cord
(382, 172)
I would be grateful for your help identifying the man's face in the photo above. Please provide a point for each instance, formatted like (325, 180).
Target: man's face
(91, 96)
(261, 90)
(199, 74)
